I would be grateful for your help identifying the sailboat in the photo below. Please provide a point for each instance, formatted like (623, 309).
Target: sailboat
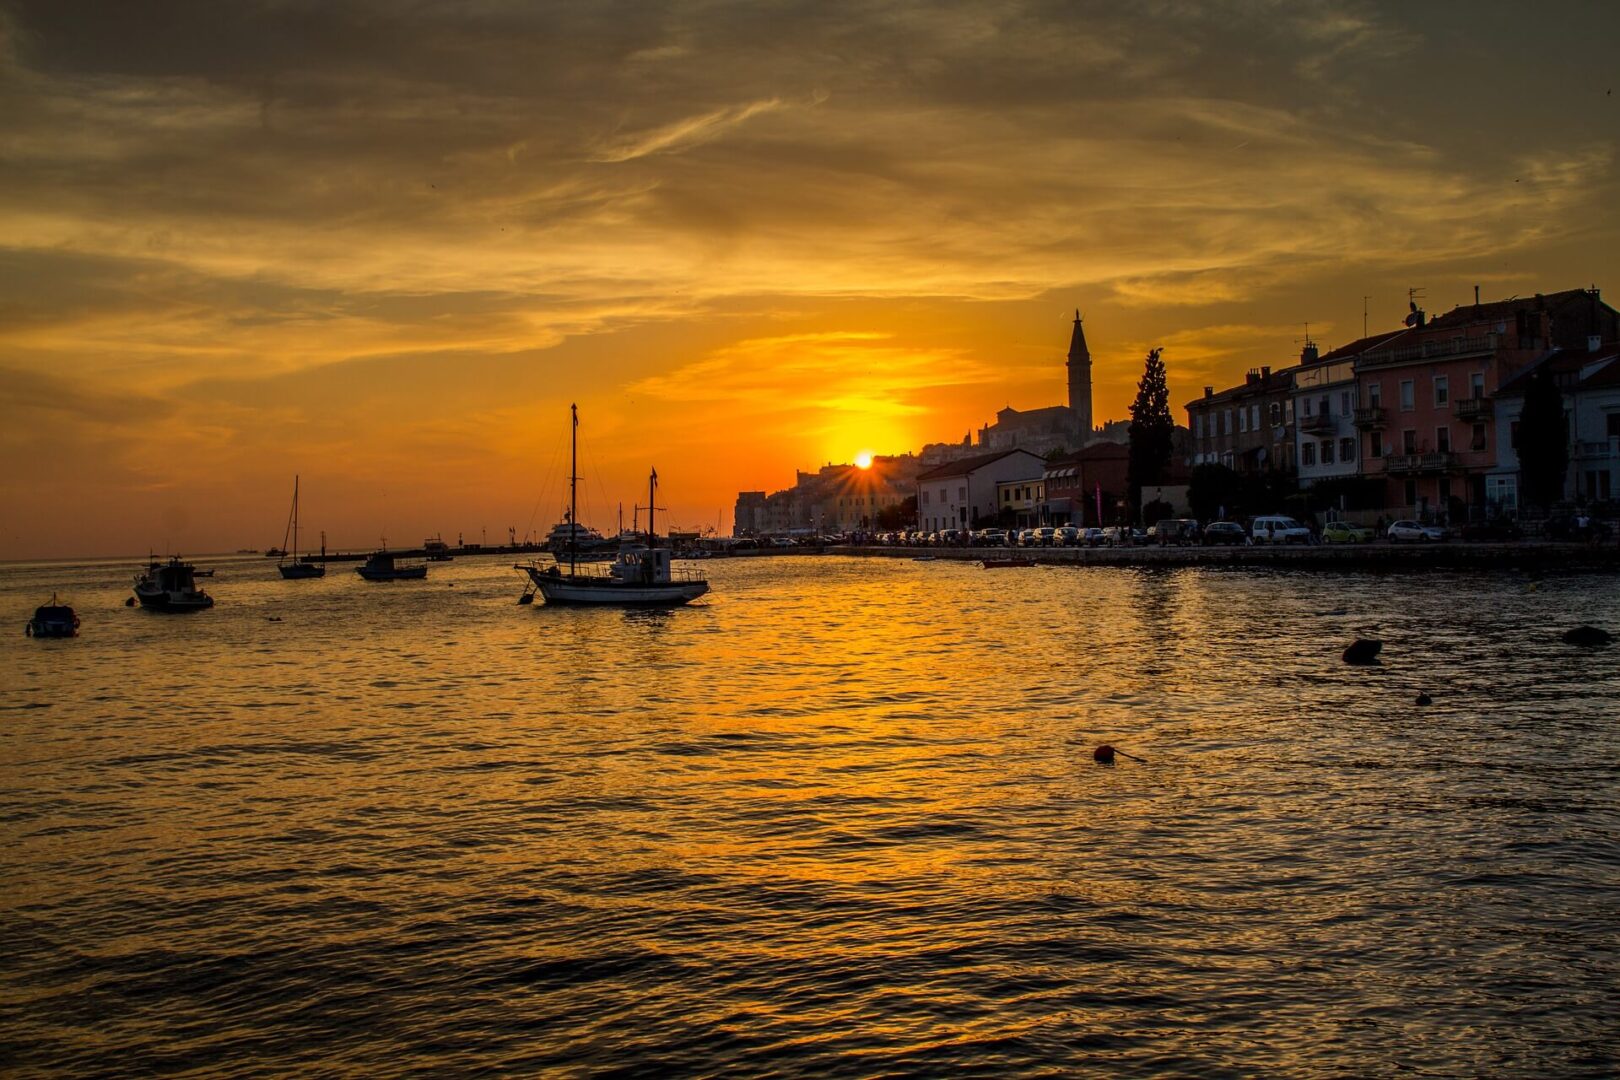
(639, 577)
(289, 565)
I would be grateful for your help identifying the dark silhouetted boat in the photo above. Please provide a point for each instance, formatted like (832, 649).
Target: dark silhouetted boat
(382, 566)
(53, 620)
(290, 567)
(641, 576)
(171, 586)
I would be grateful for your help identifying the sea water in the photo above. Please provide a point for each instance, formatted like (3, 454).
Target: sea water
(841, 818)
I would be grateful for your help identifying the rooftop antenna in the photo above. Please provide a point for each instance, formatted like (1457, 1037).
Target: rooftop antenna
(1364, 300)
(1414, 315)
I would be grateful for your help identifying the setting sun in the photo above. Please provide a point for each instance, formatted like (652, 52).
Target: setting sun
(863, 460)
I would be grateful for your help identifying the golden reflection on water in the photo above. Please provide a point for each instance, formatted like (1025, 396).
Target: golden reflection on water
(845, 810)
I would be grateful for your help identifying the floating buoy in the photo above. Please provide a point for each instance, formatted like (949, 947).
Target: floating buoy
(1425, 699)
(1103, 755)
(1363, 651)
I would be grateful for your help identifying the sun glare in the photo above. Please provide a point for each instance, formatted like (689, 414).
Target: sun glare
(863, 460)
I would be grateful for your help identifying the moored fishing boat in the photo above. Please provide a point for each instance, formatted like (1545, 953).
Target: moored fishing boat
(382, 566)
(171, 586)
(640, 576)
(54, 620)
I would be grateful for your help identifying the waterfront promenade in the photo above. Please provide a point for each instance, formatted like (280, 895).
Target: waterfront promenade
(1450, 555)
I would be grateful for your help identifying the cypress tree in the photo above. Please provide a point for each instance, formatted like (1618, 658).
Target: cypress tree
(1151, 428)
(1543, 441)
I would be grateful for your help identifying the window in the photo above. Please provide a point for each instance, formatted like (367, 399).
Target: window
(943, 498)
(1410, 492)
(1347, 449)
(1445, 492)
(1513, 434)
(1442, 391)
(1375, 445)
(1226, 424)
(1276, 414)
(1324, 409)
(1344, 403)
(1254, 416)
(1243, 419)
(925, 497)
(1503, 492)
(1198, 426)
(1327, 451)
(1307, 454)
(961, 494)
(1478, 441)
(1409, 441)
(1442, 439)
(1476, 385)
(1408, 397)
(1375, 395)
(1307, 403)
(1613, 422)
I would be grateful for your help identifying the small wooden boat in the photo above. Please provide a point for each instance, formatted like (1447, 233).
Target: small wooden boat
(171, 586)
(53, 620)
(1011, 560)
(381, 566)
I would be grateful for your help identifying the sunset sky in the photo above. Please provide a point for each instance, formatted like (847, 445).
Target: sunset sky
(384, 245)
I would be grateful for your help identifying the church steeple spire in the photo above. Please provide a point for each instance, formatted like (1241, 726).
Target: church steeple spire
(1080, 379)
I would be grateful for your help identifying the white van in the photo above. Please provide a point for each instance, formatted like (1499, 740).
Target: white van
(1276, 529)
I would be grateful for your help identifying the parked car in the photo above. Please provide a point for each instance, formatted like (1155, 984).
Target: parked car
(1117, 535)
(1277, 529)
(1066, 536)
(1178, 531)
(990, 538)
(1045, 536)
(1408, 530)
(1092, 537)
(1342, 532)
(1225, 532)
(1497, 529)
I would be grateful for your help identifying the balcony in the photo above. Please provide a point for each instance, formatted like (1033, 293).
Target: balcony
(1474, 408)
(1418, 464)
(1599, 450)
(1315, 425)
(1370, 418)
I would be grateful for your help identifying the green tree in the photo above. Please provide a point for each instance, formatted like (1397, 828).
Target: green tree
(1543, 441)
(1151, 430)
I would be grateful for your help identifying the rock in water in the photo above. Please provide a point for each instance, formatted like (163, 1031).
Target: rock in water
(1587, 635)
(1103, 755)
(1363, 651)
(1425, 699)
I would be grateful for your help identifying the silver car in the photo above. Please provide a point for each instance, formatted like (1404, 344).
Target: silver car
(1414, 531)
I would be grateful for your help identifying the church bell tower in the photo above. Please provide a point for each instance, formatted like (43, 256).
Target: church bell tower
(1080, 380)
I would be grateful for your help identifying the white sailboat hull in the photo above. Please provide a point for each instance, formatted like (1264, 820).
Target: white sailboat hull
(555, 588)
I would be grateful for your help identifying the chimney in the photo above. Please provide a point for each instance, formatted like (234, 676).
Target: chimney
(1209, 391)
(1265, 372)
(1476, 296)
(1308, 354)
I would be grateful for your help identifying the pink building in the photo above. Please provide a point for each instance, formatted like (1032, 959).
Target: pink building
(1427, 410)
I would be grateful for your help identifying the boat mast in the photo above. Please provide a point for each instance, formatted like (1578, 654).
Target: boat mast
(295, 518)
(652, 492)
(573, 481)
